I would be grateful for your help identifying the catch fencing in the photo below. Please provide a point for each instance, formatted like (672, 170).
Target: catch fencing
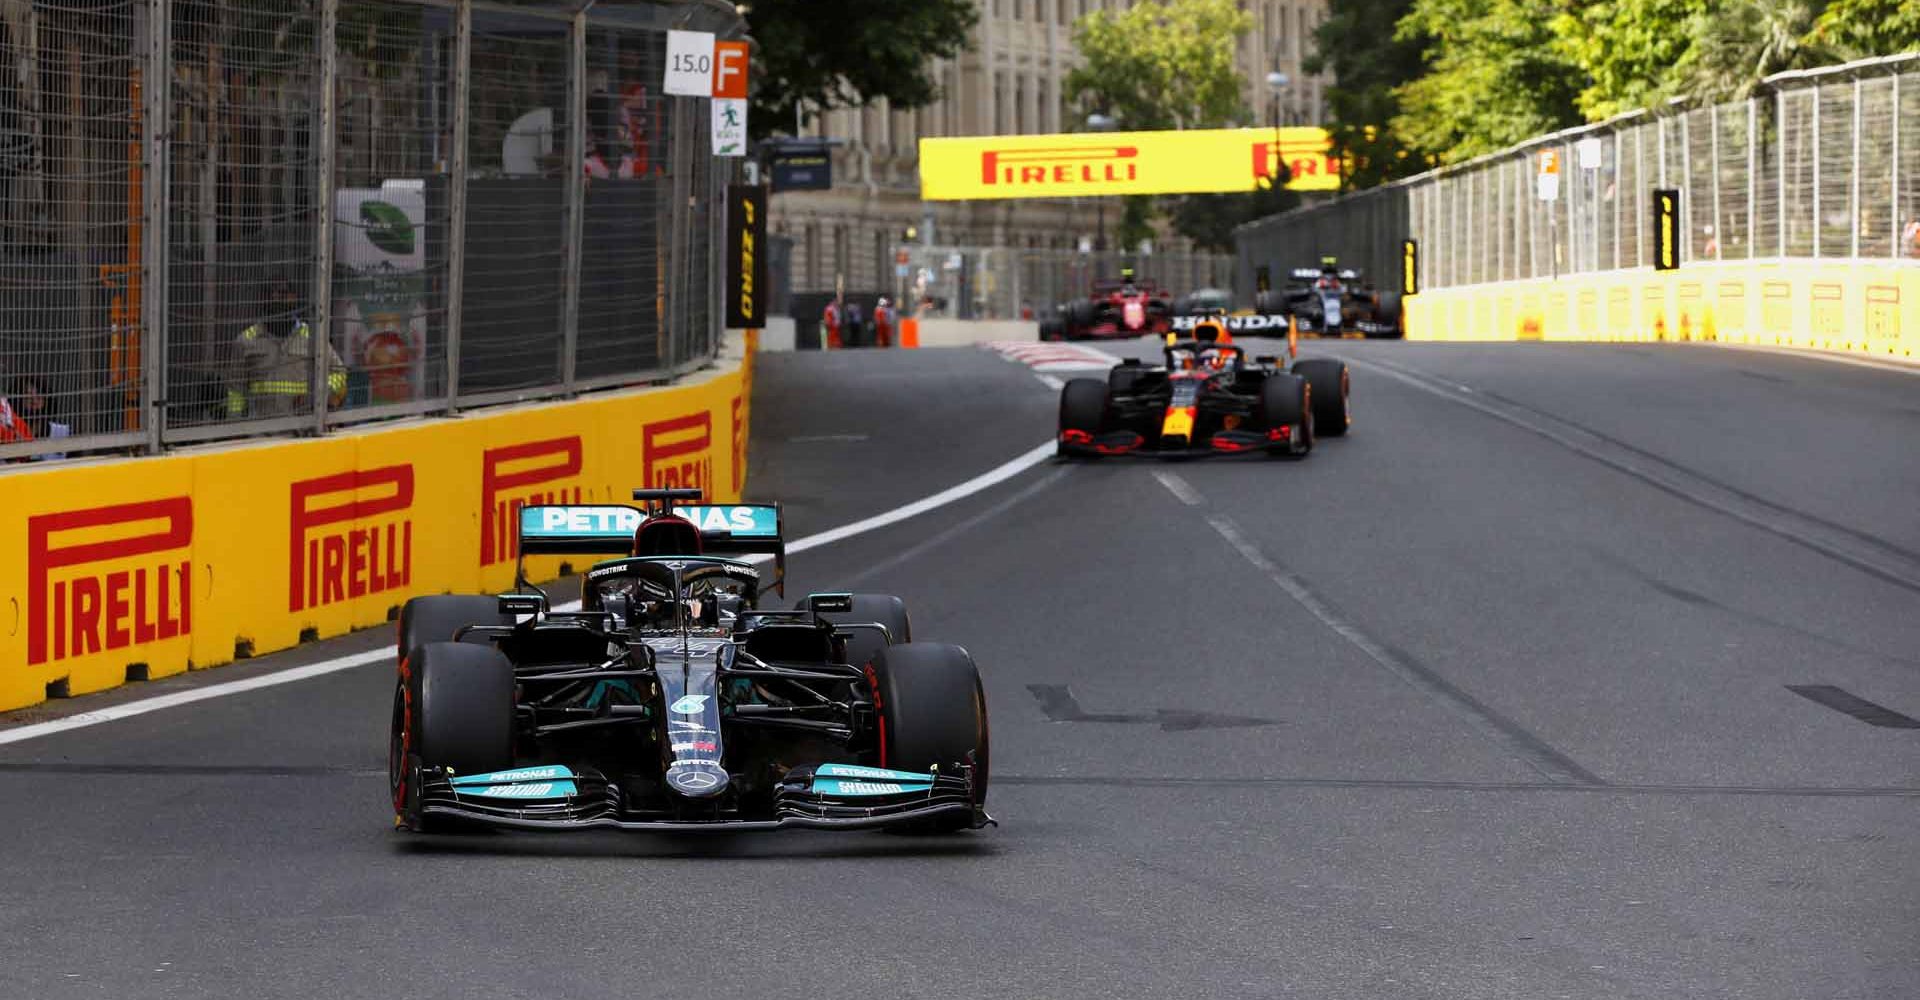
(471, 202)
(1815, 164)
(1022, 283)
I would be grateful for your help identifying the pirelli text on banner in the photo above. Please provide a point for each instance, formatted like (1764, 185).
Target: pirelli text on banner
(746, 256)
(1123, 163)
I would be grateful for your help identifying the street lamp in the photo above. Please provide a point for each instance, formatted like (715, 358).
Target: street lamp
(1277, 82)
(1098, 122)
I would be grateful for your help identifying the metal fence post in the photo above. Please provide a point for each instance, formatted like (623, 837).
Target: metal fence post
(576, 200)
(1719, 232)
(1753, 178)
(155, 121)
(320, 344)
(679, 243)
(1686, 184)
(1853, 180)
(1814, 154)
(457, 193)
(1780, 168)
(1893, 186)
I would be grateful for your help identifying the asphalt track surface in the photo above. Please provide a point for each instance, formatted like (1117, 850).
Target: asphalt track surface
(1490, 699)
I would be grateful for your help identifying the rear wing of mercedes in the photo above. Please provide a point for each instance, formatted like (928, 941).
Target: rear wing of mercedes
(740, 529)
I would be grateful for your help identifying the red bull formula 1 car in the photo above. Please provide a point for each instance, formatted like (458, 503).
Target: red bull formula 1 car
(1123, 308)
(1206, 398)
(671, 700)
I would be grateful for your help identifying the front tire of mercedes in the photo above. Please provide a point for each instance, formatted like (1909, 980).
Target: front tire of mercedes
(453, 710)
(934, 710)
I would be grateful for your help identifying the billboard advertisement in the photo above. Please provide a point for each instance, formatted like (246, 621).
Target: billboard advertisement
(1091, 164)
(380, 287)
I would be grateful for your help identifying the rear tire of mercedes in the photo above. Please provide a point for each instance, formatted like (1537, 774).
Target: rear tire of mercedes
(1331, 388)
(934, 711)
(453, 709)
(1083, 407)
(863, 644)
(437, 617)
(1285, 401)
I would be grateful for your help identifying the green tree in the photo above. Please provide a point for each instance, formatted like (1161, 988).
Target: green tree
(1163, 64)
(1861, 28)
(1367, 63)
(1497, 77)
(1636, 53)
(820, 54)
(1738, 43)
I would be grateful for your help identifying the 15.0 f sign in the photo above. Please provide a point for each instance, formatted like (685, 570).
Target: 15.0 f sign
(690, 63)
(698, 65)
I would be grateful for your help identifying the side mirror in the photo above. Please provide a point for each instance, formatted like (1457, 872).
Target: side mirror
(522, 604)
(829, 603)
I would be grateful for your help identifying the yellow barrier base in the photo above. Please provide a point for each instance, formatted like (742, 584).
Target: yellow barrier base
(147, 567)
(1870, 308)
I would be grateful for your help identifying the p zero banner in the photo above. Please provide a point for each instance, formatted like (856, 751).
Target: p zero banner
(746, 256)
(1666, 229)
(1082, 164)
(142, 568)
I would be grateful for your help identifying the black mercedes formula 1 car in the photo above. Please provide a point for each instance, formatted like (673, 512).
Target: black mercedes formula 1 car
(671, 700)
(1207, 398)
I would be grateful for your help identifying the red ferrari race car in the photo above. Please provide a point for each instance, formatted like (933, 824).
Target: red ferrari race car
(1124, 308)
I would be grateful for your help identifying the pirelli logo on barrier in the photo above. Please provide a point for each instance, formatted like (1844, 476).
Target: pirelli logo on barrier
(1666, 229)
(1123, 163)
(106, 578)
(509, 477)
(351, 536)
(678, 452)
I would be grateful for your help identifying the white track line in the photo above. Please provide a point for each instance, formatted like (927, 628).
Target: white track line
(1867, 361)
(992, 477)
(1179, 488)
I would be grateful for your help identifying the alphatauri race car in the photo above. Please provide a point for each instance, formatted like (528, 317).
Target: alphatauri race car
(1207, 398)
(671, 700)
(1115, 309)
(1331, 301)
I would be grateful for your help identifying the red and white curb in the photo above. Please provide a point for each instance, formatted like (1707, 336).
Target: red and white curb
(1043, 356)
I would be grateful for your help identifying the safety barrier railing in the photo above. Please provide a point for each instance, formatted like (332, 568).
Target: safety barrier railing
(1818, 163)
(223, 219)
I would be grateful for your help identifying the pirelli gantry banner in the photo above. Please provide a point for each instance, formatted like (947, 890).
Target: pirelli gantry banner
(1078, 165)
